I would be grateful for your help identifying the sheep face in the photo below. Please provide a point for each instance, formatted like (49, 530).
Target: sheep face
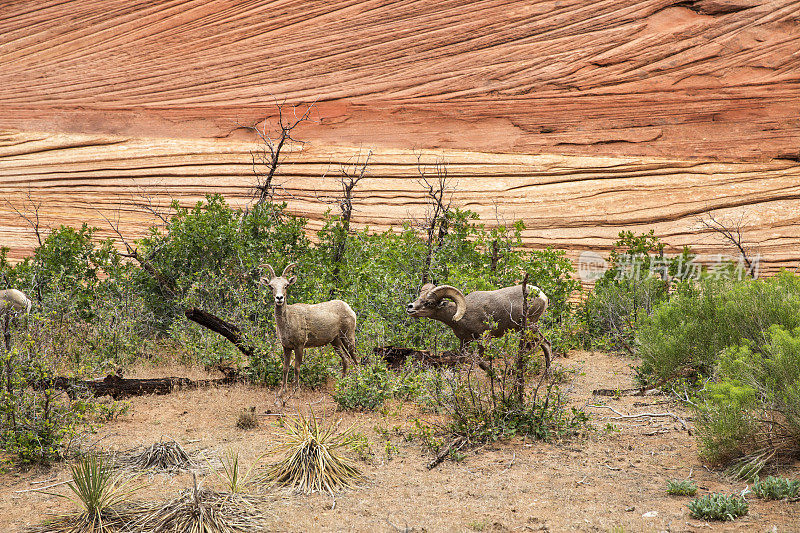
(425, 304)
(278, 284)
(431, 302)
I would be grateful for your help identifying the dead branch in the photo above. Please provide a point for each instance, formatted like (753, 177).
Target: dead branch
(732, 234)
(436, 222)
(454, 446)
(268, 155)
(640, 415)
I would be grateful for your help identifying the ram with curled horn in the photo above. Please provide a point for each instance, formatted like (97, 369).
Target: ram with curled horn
(301, 326)
(470, 316)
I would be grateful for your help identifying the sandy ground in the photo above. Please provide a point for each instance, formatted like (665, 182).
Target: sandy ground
(613, 479)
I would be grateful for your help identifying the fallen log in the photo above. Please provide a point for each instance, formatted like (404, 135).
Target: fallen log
(396, 356)
(118, 387)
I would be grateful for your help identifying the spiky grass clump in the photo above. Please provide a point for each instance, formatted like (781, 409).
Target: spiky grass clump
(103, 497)
(777, 488)
(309, 463)
(203, 511)
(718, 507)
(163, 456)
(683, 487)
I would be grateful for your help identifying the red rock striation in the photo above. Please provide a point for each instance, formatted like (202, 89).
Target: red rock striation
(581, 117)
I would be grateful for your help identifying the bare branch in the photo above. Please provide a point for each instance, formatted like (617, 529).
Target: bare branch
(439, 194)
(33, 220)
(731, 234)
(273, 140)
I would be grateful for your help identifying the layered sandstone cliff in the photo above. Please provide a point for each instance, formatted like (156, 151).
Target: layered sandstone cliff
(583, 118)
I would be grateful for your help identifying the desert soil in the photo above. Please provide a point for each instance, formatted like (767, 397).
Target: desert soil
(612, 479)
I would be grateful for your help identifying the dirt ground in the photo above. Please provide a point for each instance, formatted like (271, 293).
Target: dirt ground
(614, 479)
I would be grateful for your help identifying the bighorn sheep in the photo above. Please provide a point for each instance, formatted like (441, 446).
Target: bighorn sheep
(302, 326)
(14, 299)
(471, 315)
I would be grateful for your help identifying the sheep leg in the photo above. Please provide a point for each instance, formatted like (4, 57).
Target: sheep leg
(462, 349)
(338, 346)
(287, 359)
(547, 349)
(298, 360)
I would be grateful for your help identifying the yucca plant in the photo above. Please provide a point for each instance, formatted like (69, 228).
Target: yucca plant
(102, 495)
(309, 463)
(163, 456)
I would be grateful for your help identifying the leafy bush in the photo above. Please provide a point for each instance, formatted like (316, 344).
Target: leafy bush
(487, 407)
(637, 280)
(776, 488)
(366, 388)
(683, 487)
(686, 334)
(718, 507)
(755, 404)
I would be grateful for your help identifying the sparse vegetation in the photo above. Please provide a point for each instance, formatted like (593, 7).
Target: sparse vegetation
(247, 419)
(718, 507)
(682, 487)
(777, 488)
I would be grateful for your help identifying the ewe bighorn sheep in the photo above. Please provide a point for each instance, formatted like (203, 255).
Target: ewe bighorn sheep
(14, 299)
(302, 326)
(471, 315)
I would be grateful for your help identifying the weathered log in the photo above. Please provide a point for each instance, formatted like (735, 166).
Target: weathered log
(118, 387)
(396, 356)
(217, 325)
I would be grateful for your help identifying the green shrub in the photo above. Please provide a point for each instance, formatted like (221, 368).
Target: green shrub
(776, 488)
(488, 407)
(367, 387)
(718, 507)
(686, 334)
(754, 407)
(683, 487)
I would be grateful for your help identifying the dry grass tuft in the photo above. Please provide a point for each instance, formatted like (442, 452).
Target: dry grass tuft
(247, 419)
(163, 456)
(309, 464)
(203, 511)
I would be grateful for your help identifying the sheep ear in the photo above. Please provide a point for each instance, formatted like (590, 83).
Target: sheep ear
(292, 280)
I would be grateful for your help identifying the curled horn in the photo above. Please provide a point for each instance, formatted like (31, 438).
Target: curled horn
(288, 269)
(448, 291)
(268, 267)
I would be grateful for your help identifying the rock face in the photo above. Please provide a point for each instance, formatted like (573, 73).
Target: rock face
(583, 118)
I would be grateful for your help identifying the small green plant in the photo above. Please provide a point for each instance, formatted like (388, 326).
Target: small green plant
(426, 434)
(682, 487)
(369, 387)
(776, 488)
(390, 450)
(360, 445)
(718, 507)
(235, 482)
(611, 428)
